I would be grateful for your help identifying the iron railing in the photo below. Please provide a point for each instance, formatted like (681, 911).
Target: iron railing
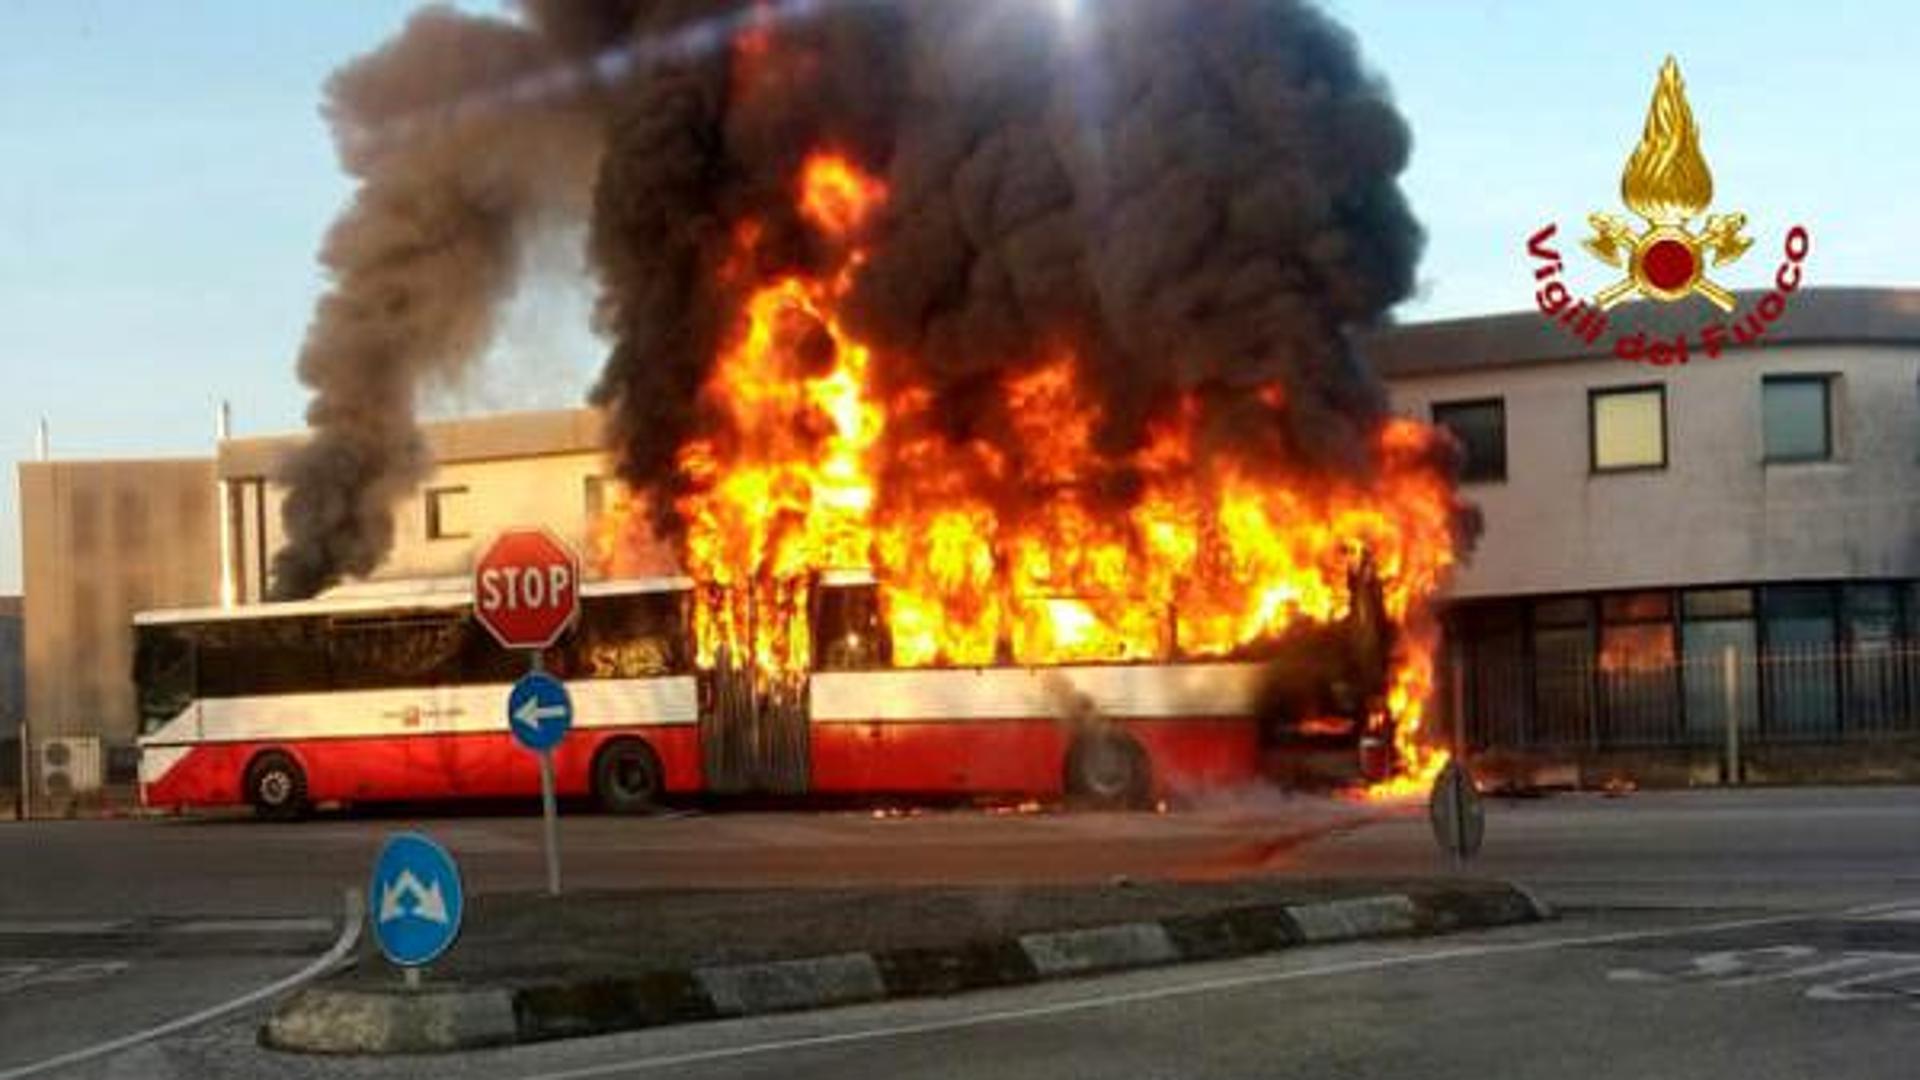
(1778, 695)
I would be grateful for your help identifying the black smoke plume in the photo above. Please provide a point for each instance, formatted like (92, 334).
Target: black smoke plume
(1190, 195)
(462, 141)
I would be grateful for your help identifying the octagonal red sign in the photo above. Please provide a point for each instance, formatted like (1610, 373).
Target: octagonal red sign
(526, 588)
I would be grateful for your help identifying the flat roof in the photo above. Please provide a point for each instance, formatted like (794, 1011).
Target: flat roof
(419, 594)
(480, 438)
(1814, 316)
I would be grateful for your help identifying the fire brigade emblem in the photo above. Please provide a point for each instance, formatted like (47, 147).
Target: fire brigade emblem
(1667, 184)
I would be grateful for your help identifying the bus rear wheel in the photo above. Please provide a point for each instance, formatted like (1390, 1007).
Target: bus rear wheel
(1108, 771)
(627, 777)
(277, 787)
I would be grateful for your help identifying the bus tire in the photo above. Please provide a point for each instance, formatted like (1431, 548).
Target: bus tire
(1109, 771)
(627, 778)
(277, 787)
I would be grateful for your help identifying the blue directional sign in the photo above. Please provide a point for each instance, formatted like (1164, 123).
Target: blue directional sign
(415, 900)
(539, 711)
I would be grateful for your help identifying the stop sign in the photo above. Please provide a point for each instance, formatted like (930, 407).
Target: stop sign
(526, 588)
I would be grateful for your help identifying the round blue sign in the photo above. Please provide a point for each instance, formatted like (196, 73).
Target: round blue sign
(539, 711)
(415, 901)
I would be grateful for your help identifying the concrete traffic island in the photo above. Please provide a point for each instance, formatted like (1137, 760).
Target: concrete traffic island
(531, 968)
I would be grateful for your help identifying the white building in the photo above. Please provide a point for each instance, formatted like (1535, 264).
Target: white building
(1645, 524)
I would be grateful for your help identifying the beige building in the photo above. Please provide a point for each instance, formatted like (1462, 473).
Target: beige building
(99, 541)
(13, 689)
(490, 472)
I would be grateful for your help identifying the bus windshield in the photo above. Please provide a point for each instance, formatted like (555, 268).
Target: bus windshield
(163, 672)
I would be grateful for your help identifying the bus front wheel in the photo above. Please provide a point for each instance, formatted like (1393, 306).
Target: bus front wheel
(1108, 771)
(277, 787)
(626, 777)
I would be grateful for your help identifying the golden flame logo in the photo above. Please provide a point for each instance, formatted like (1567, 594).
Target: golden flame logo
(1667, 180)
(1667, 183)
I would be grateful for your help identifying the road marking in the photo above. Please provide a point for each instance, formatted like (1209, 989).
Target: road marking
(1160, 993)
(349, 937)
(218, 925)
(1844, 989)
(1899, 914)
(30, 927)
(19, 975)
(313, 925)
(1733, 968)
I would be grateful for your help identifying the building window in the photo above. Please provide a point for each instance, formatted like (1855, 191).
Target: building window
(1720, 663)
(447, 514)
(1803, 692)
(1481, 427)
(1638, 693)
(596, 497)
(1563, 670)
(1796, 417)
(1870, 675)
(1629, 427)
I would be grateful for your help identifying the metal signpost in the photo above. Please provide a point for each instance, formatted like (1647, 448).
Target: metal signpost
(539, 712)
(526, 592)
(415, 902)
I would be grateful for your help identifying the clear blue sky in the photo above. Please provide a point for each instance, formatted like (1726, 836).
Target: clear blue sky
(165, 179)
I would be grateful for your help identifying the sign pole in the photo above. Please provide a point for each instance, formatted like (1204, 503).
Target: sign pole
(526, 593)
(549, 812)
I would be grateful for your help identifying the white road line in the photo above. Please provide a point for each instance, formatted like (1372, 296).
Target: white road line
(1160, 993)
(19, 976)
(349, 937)
(314, 925)
(30, 927)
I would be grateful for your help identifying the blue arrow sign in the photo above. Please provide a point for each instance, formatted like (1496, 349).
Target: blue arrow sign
(415, 900)
(539, 712)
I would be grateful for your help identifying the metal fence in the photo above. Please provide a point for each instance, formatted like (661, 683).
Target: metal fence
(1778, 695)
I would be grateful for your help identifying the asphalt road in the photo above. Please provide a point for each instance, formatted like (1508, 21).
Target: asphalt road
(1748, 934)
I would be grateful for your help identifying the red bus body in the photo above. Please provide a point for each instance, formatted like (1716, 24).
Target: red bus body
(443, 735)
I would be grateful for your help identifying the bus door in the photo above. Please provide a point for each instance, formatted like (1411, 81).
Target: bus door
(753, 720)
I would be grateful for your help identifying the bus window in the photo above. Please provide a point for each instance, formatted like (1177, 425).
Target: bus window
(248, 657)
(162, 673)
(848, 631)
(630, 636)
(391, 651)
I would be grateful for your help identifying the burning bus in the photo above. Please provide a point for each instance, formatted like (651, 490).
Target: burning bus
(393, 694)
(1017, 335)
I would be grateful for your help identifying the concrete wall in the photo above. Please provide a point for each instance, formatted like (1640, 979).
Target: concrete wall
(100, 541)
(1717, 512)
(13, 682)
(13, 688)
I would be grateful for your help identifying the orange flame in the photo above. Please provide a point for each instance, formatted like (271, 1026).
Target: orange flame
(837, 197)
(1213, 552)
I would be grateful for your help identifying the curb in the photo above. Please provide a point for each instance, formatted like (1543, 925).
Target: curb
(320, 1020)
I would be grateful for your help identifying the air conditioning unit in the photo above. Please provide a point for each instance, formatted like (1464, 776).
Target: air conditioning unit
(69, 765)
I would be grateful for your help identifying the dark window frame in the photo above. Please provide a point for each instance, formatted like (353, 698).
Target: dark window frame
(1825, 383)
(436, 529)
(1594, 394)
(1468, 475)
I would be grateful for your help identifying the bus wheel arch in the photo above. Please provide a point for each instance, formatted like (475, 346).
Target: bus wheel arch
(275, 784)
(627, 777)
(1108, 769)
